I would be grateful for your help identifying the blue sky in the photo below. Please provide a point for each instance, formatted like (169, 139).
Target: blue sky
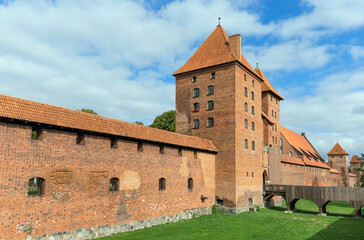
(117, 57)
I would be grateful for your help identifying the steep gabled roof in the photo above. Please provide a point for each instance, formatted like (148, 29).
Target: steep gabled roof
(25, 110)
(310, 156)
(266, 86)
(355, 159)
(337, 150)
(213, 51)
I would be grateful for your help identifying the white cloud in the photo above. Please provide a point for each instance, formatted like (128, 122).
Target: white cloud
(357, 52)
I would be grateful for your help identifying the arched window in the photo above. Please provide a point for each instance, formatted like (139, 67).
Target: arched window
(253, 112)
(290, 154)
(246, 107)
(246, 143)
(245, 92)
(246, 123)
(253, 145)
(114, 184)
(253, 126)
(162, 184)
(252, 95)
(36, 186)
(190, 184)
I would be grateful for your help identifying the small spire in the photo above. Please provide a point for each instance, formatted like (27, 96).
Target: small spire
(257, 67)
(219, 21)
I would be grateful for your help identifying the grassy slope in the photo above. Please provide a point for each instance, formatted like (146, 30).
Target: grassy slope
(267, 223)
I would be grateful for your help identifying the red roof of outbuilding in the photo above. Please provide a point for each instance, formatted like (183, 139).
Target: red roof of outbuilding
(20, 109)
(337, 150)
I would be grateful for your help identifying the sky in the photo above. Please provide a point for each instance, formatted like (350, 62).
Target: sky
(117, 57)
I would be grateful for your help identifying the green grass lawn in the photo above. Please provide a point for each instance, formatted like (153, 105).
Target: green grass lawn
(265, 224)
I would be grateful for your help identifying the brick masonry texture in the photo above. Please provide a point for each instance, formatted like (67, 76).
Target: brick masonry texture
(77, 182)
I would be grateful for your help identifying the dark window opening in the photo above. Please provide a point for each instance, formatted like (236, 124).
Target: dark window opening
(246, 107)
(210, 122)
(245, 92)
(195, 153)
(196, 107)
(36, 132)
(251, 201)
(275, 114)
(162, 184)
(114, 185)
(196, 123)
(246, 143)
(179, 151)
(80, 139)
(219, 201)
(210, 105)
(253, 83)
(196, 92)
(253, 126)
(252, 95)
(210, 90)
(113, 143)
(252, 174)
(245, 77)
(190, 184)
(247, 174)
(36, 186)
(213, 75)
(161, 149)
(246, 123)
(253, 145)
(140, 146)
(194, 79)
(253, 112)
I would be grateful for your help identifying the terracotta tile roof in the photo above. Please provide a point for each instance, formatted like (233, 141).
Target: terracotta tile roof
(266, 86)
(292, 160)
(355, 159)
(20, 109)
(334, 171)
(310, 156)
(213, 51)
(352, 175)
(267, 117)
(337, 150)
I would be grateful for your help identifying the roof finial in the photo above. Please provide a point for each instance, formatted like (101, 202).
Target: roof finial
(219, 21)
(337, 140)
(257, 67)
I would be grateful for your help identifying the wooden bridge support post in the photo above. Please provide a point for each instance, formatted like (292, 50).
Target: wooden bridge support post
(358, 212)
(291, 204)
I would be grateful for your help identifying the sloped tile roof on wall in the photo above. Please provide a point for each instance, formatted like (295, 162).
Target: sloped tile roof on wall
(332, 170)
(292, 160)
(25, 110)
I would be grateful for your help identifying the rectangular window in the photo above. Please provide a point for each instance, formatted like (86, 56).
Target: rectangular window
(194, 79)
(80, 139)
(210, 122)
(179, 151)
(253, 145)
(252, 95)
(196, 92)
(161, 149)
(246, 123)
(253, 83)
(245, 77)
(195, 153)
(36, 132)
(210, 105)
(196, 107)
(196, 123)
(113, 143)
(140, 146)
(253, 126)
(210, 90)
(245, 92)
(253, 112)
(275, 114)
(246, 143)
(213, 75)
(246, 107)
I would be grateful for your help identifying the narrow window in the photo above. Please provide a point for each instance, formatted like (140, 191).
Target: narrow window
(247, 174)
(271, 98)
(246, 107)
(290, 154)
(140, 146)
(272, 127)
(161, 149)
(210, 122)
(245, 77)
(212, 75)
(253, 126)
(196, 92)
(210, 105)
(246, 123)
(210, 90)
(272, 113)
(162, 184)
(281, 146)
(190, 184)
(114, 185)
(196, 123)
(253, 110)
(253, 145)
(272, 140)
(113, 143)
(275, 114)
(245, 92)
(196, 107)
(179, 151)
(276, 140)
(252, 174)
(80, 139)
(246, 143)
(195, 153)
(36, 186)
(194, 79)
(36, 132)
(253, 83)
(252, 95)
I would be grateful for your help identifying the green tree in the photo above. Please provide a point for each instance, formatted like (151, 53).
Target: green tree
(165, 121)
(139, 123)
(361, 169)
(88, 111)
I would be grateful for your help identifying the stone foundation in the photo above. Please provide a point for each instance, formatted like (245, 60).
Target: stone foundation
(238, 210)
(102, 231)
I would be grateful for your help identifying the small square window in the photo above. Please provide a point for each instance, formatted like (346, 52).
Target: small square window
(36, 133)
(179, 151)
(194, 79)
(210, 90)
(213, 75)
(113, 143)
(210, 105)
(196, 107)
(161, 149)
(210, 122)
(196, 92)
(196, 123)
(80, 139)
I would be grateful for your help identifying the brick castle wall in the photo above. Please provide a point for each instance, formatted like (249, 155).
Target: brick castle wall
(77, 182)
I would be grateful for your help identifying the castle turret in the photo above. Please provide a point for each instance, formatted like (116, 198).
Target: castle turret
(338, 159)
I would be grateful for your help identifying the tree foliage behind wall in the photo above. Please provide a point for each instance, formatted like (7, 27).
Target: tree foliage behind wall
(362, 170)
(165, 121)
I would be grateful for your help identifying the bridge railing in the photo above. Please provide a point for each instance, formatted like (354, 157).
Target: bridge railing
(275, 188)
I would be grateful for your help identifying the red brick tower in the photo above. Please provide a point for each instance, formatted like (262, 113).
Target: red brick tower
(219, 97)
(338, 159)
(356, 164)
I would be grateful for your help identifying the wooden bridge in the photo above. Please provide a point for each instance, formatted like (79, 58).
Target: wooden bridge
(319, 195)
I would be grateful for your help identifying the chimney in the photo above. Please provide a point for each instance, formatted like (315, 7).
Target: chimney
(303, 134)
(235, 45)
